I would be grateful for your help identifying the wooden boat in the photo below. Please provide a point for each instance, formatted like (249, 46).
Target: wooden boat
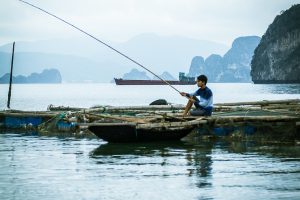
(134, 132)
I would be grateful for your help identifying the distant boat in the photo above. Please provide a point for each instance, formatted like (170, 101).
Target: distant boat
(183, 80)
(120, 81)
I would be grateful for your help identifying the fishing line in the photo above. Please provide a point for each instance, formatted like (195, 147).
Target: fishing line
(79, 29)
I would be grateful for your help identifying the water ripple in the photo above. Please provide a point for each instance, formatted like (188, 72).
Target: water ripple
(34, 167)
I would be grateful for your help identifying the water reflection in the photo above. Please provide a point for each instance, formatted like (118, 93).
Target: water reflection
(280, 88)
(184, 158)
(279, 150)
(145, 149)
(33, 167)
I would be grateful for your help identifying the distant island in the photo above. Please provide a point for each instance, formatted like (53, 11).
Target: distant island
(234, 66)
(46, 76)
(277, 57)
(135, 74)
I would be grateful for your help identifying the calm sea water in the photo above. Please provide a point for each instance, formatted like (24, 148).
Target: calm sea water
(39, 96)
(34, 167)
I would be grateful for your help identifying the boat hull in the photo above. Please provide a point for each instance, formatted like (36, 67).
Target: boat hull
(119, 133)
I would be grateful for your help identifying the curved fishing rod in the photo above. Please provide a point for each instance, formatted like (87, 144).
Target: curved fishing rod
(100, 42)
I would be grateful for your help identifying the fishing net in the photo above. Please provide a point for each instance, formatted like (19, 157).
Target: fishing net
(51, 124)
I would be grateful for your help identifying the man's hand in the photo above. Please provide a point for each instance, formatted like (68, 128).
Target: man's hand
(189, 97)
(183, 94)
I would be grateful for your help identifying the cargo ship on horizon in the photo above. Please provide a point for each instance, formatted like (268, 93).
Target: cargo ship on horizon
(183, 80)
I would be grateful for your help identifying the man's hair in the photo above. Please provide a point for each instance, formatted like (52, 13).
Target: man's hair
(202, 78)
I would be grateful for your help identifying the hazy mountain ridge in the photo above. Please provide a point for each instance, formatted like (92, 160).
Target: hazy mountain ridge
(136, 74)
(46, 76)
(84, 59)
(165, 76)
(234, 66)
(72, 68)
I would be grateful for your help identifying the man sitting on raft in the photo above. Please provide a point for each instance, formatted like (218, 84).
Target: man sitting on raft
(204, 106)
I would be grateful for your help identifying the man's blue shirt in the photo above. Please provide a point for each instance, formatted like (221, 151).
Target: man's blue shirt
(206, 99)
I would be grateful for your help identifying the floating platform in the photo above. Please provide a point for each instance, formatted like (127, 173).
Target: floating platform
(261, 120)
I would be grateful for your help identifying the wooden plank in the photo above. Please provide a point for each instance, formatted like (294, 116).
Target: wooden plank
(119, 108)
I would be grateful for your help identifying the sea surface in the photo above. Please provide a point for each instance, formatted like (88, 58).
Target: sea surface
(40, 96)
(36, 167)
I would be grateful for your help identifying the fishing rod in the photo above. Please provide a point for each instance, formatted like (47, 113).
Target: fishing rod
(88, 34)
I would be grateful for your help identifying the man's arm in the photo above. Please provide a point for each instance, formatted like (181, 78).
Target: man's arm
(206, 102)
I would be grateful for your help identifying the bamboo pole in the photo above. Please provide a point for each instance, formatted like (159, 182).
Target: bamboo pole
(119, 108)
(264, 102)
(27, 114)
(127, 119)
(274, 107)
(226, 119)
(11, 76)
(235, 108)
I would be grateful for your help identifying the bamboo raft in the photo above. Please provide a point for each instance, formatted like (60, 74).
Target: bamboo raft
(264, 120)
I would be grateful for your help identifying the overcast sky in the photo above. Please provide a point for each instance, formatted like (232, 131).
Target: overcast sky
(119, 20)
